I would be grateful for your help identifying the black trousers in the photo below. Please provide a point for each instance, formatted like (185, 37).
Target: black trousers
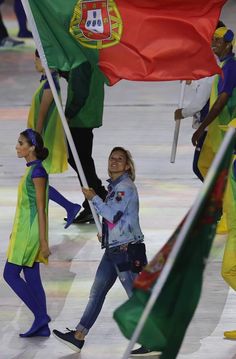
(197, 155)
(83, 139)
(3, 30)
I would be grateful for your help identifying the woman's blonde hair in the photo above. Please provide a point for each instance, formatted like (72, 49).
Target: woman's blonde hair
(129, 161)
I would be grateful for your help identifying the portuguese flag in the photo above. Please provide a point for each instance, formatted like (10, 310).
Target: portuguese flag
(167, 322)
(140, 40)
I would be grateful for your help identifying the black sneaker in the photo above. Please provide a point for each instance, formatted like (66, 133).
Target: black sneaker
(9, 43)
(83, 217)
(143, 352)
(68, 339)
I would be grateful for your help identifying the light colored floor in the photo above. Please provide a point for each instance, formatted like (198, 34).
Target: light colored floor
(138, 116)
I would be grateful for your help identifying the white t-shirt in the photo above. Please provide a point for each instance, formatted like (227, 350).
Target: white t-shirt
(200, 96)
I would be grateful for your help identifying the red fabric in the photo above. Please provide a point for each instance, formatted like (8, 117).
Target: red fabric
(163, 40)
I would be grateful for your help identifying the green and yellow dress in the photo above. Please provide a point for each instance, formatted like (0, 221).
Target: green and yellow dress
(215, 133)
(24, 246)
(52, 133)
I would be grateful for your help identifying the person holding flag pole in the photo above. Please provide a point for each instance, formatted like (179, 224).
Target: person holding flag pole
(222, 112)
(197, 108)
(36, 36)
(122, 239)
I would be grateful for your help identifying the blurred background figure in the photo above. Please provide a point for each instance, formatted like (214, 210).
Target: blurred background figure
(22, 20)
(5, 40)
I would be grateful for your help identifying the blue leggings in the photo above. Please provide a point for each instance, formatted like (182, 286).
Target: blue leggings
(30, 289)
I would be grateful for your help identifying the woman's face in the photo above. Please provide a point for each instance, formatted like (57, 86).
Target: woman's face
(23, 148)
(38, 64)
(117, 164)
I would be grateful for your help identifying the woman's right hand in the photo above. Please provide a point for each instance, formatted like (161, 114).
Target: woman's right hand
(89, 193)
(45, 251)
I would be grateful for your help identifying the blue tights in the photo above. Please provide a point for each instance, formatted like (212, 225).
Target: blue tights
(31, 292)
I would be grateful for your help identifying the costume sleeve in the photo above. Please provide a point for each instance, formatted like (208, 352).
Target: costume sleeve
(229, 79)
(55, 80)
(39, 172)
(203, 91)
(113, 209)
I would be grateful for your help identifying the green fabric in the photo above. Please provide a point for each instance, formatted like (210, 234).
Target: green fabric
(173, 310)
(85, 97)
(24, 242)
(52, 133)
(62, 51)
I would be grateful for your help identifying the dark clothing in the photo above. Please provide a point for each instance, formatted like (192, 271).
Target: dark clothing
(3, 30)
(85, 97)
(227, 82)
(204, 111)
(196, 156)
(83, 139)
(84, 110)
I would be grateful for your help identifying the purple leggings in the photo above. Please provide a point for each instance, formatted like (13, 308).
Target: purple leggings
(30, 289)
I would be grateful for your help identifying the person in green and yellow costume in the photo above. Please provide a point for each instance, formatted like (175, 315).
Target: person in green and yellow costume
(28, 246)
(44, 118)
(222, 105)
(229, 258)
(222, 112)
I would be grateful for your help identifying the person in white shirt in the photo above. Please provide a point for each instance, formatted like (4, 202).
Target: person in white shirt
(197, 107)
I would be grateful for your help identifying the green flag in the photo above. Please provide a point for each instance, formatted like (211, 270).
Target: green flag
(171, 314)
(142, 40)
(62, 51)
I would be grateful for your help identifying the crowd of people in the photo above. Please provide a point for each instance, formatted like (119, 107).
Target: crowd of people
(213, 107)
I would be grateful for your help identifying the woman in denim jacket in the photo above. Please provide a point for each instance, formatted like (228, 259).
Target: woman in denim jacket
(120, 227)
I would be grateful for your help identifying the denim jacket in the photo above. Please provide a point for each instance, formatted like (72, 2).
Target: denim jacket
(119, 212)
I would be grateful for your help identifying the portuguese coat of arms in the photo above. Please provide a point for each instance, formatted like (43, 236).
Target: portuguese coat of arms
(96, 23)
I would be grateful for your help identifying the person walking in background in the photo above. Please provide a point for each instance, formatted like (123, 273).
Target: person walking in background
(29, 238)
(44, 118)
(84, 111)
(120, 230)
(222, 100)
(222, 112)
(197, 108)
(6, 41)
(222, 106)
(22, 20)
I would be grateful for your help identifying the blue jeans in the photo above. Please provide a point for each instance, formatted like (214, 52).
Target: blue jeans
(104, 279)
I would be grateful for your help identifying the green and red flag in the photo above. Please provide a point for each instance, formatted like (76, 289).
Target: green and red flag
(167, 322)
(140, 40)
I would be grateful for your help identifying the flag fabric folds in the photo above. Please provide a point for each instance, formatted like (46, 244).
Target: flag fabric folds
(171, 314)
(144, 40)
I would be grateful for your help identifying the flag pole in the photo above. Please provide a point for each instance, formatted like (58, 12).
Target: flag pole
(177, 124)
(180, 240)
(39, 46)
